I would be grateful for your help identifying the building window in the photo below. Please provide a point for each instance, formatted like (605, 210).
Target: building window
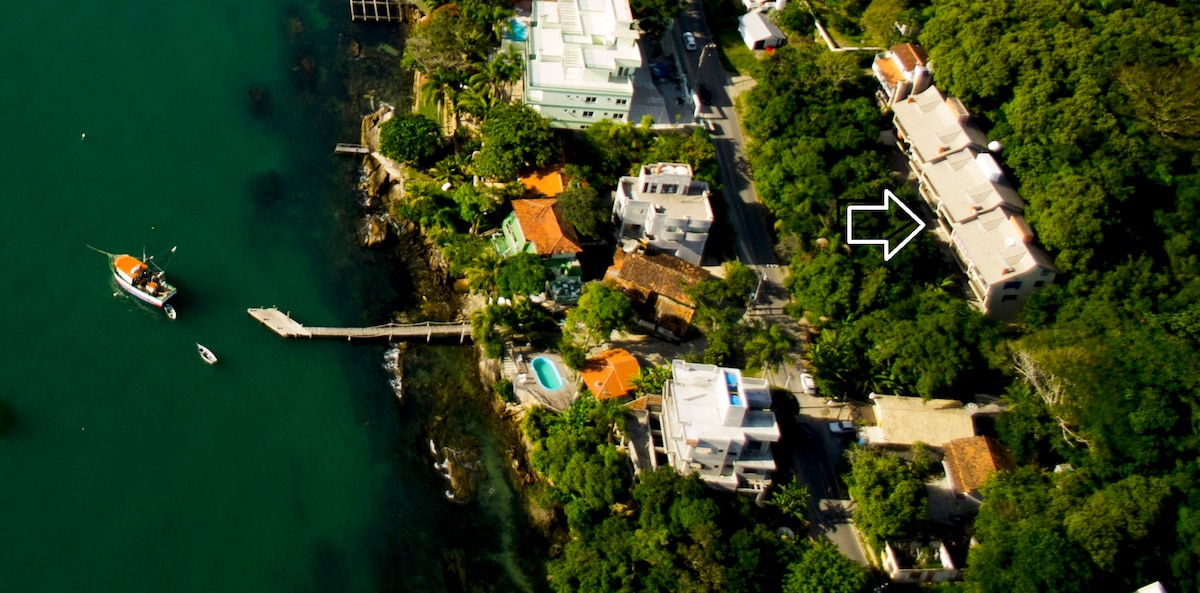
(649, 188)
(1045, 272)
(618, 116)
(591, 113)
(1012, 285)
(589, 99)
(1039, 284)
(670, 188)
(622, 101)
(1008, 297)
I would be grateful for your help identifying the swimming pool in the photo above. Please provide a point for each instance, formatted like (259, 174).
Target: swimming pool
(547, 373)
(518, 30)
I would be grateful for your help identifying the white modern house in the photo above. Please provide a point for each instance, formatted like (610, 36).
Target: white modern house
(763, 5)
(978, 212)
(718, 423)
(665, 207)
(580, 59)
(759, 33)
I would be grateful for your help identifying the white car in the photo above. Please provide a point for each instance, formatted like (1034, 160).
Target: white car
(689, 40)
(842, 427)
(807, 384)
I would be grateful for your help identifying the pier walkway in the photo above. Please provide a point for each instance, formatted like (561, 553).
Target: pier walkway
(282, 324)
(343, 148)
(375, 10)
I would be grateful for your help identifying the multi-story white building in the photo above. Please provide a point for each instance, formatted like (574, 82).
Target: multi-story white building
(665, 207)
(718, 423)
(978, 213)
(580, 58)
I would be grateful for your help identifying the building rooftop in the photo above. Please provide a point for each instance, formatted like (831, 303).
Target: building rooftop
(577, 44)
(969, 462)
(910, 55)
(999, 245)
(610, 374)
(549, 182)
(934, 125)
(970, 182)
(758, 27)
(906, 420)
(660, 273)
(700, 392)
(542, 224)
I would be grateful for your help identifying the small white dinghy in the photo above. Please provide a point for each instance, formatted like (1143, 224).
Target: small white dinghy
(170, 311)
(206, 354)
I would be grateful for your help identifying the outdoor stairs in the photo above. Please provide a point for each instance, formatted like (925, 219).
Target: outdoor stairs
(568, 17)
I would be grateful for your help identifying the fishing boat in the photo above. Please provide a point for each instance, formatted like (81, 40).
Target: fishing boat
(170, 310)
(140, 278)
(206, 354)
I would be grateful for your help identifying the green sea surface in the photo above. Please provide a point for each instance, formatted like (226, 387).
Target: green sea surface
(129, 464)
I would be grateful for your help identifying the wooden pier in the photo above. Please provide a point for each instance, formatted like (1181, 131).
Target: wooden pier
(343, 148)
(282, 324)
(375, 10)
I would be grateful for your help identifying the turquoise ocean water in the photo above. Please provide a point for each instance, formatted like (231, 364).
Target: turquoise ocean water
(131, 466)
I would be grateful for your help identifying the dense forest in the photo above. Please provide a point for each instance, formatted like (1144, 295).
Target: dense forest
(1096, 105)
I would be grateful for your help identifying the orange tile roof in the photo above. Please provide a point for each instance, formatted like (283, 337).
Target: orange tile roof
(542, 224)
(657, 272)
(910, 55)
(970, 461)
(611, 373)
(548, 182)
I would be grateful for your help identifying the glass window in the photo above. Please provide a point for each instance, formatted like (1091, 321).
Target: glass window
(589, 99)
(1008, 297)
(589, 113)
(670, 188)
(1039, 284)
(1012, 285)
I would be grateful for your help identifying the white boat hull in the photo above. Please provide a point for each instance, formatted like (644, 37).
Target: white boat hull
(146, 298)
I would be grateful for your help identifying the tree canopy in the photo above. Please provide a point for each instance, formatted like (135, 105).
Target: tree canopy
(515, 139)
(521, 274)
(409, 138)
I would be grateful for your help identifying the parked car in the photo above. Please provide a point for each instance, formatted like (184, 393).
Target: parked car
(807, 384)
(842, 427)
(704, 95)
(689, 41)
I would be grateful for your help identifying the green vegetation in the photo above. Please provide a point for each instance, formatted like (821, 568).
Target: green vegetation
(601, 310)
(889, 496)
(723, 24)
(664, 532)
(521, 275)
(515, 139)
(409, 138)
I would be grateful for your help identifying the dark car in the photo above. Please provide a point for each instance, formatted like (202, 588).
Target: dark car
(704, 94)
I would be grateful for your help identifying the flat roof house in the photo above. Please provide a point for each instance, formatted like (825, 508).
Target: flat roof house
(718, 423)
(903, 421)
(1003, 266)
(580, 59)
(665, 207)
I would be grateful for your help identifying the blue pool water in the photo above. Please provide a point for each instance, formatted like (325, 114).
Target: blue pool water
(547, 373)
(518, 30)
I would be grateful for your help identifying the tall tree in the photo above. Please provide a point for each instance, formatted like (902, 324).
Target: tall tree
(515, 138)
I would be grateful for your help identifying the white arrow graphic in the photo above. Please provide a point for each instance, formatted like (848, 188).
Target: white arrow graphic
(888, 250)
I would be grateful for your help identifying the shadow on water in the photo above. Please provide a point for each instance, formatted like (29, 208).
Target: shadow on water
(8, 420)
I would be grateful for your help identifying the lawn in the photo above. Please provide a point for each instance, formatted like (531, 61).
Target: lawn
(735, 56)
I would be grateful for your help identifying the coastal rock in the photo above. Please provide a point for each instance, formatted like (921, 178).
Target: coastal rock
(375, 230)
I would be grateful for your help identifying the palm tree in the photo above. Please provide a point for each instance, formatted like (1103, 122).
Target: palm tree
(478, 100)
(481, 275)
(443, 86)
(768, 347)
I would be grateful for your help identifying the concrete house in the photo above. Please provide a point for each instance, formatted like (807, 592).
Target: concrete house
(901, 71)
(764, 5)
(970, 461)
(1003, 266)
(903, 421)
(580, 59)
(610, 374)
(759, 33)
(718, 423)
(666, 208)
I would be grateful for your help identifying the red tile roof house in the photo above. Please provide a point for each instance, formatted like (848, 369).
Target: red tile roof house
(900, 71)
(610, 374)
(657, 283)
(537, 226)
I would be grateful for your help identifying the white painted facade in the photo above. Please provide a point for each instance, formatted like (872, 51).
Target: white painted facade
(580, 58)
(665, 207)
(718, 423)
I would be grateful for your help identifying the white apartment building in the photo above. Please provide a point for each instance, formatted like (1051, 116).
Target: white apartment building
(718, 423)
(901, 71)
(978, 211)
(1003, 266)
(665, 207)
(930, 127)
(580, 58)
